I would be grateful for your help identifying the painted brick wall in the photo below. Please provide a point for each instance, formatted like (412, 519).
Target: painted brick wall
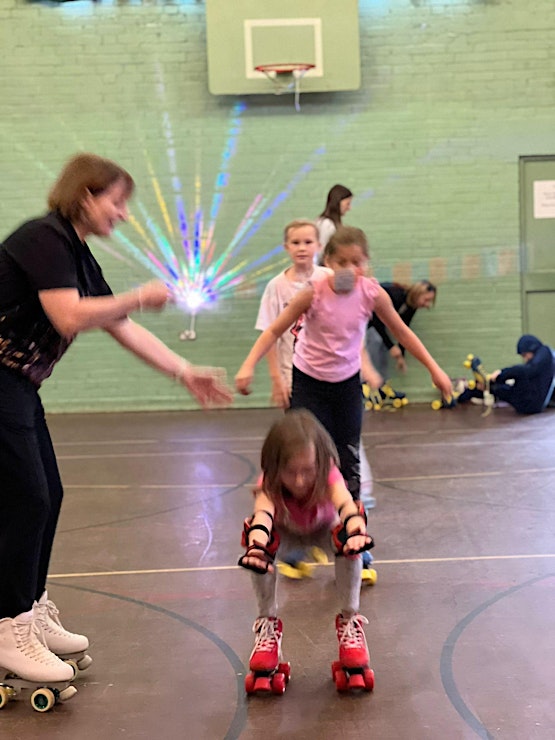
(452, 94)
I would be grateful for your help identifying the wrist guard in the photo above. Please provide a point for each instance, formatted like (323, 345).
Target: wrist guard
(341, 537)
(266, 552)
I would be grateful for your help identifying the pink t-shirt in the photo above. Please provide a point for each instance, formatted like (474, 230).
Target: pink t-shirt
(302, 519)
(329, 345)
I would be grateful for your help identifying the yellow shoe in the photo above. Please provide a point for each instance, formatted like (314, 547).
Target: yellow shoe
(296, 572)
(369, 576)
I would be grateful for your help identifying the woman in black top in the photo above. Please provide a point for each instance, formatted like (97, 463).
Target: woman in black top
(51, 288)
(407, 299)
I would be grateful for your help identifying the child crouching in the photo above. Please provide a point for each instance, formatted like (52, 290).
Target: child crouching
(301, 500)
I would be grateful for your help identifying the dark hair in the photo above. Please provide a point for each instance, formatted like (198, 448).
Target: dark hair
(84, 173)
(332, 209)
(345, 236)
(417, 289)
(292, 433)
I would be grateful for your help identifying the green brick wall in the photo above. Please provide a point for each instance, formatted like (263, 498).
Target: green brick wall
(452, 94)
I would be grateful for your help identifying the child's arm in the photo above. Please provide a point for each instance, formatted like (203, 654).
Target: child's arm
(367, 370)
(258, 531)
(280, 392)
(383, 307)
(355, 521)
(300, 303)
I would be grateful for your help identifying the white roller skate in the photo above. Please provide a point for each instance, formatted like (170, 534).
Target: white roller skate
(352, 670)
(68, 646)
(27, 664)
(267, 673)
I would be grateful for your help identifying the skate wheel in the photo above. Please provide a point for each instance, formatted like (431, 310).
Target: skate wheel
(397, 403)
(436, 405)
(319, 555)
(74, 666)
(356, 681)
(249, 683)
(278, 683)
(42, 700)
(404, 401)
(341, 680)
(285, 668)
(369, 576)
(471, 385)
(5, 695)
(67, 693)
(368, 406)
(335, 666)
(368, 679)
(263, 683)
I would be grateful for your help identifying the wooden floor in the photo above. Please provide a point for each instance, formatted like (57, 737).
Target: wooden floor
(461, 622)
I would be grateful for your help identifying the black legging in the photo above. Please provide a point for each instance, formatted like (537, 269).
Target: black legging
(338, 407)
(30, 495)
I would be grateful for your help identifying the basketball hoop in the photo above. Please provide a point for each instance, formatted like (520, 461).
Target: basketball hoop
(286, 77)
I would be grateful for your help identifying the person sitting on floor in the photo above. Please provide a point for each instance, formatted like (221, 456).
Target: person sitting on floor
(527, 387)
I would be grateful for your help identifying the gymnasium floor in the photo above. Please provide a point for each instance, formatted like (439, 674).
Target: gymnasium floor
(462, 618)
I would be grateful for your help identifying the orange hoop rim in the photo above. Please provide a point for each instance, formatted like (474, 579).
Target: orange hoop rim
(284, 68)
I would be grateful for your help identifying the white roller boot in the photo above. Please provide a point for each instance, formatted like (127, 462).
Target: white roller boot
(68, 646)
(26, 663)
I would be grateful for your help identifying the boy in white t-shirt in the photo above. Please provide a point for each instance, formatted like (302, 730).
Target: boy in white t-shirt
(301, 242)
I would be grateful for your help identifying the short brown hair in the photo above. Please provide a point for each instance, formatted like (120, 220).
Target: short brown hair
(85, 173)
(345, 236)
(298, 224)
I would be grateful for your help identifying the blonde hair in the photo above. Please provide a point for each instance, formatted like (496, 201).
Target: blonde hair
(345, 236)
(295, 431)
(418, 289)
(83, 174)
(298, 224)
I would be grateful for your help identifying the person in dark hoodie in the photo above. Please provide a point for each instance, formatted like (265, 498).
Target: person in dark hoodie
(528, 386)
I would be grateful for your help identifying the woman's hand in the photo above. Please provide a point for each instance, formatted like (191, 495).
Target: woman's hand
(443, 382)
(207, 384)
(153, 295)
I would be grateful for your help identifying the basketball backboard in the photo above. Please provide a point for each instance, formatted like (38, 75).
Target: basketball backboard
(245, 34)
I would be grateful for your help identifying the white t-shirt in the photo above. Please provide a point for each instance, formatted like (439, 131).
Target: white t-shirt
(277, 295)
(326, 229)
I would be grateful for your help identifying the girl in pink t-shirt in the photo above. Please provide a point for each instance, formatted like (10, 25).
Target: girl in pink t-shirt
(327, 360)
(301, 501)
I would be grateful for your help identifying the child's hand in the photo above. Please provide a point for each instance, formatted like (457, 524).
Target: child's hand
(257, 559)
(373, 378)
(356, 543)
(243, 380)
(280, 394)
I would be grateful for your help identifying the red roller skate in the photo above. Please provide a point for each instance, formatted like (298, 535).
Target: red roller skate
(352, 670)
(267, 673)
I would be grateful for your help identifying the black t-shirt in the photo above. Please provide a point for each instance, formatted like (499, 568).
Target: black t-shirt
(398, 296)
(41, 254)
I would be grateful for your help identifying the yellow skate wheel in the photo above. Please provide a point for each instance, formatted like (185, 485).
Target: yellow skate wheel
(436, 405)
(397, 403)
(318, 555)
(43, 699)
(471, 385)
(5, 695)
(404, 401)
(369, 576)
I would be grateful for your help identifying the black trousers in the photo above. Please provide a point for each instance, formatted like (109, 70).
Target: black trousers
(338, 407)
(30, 495)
